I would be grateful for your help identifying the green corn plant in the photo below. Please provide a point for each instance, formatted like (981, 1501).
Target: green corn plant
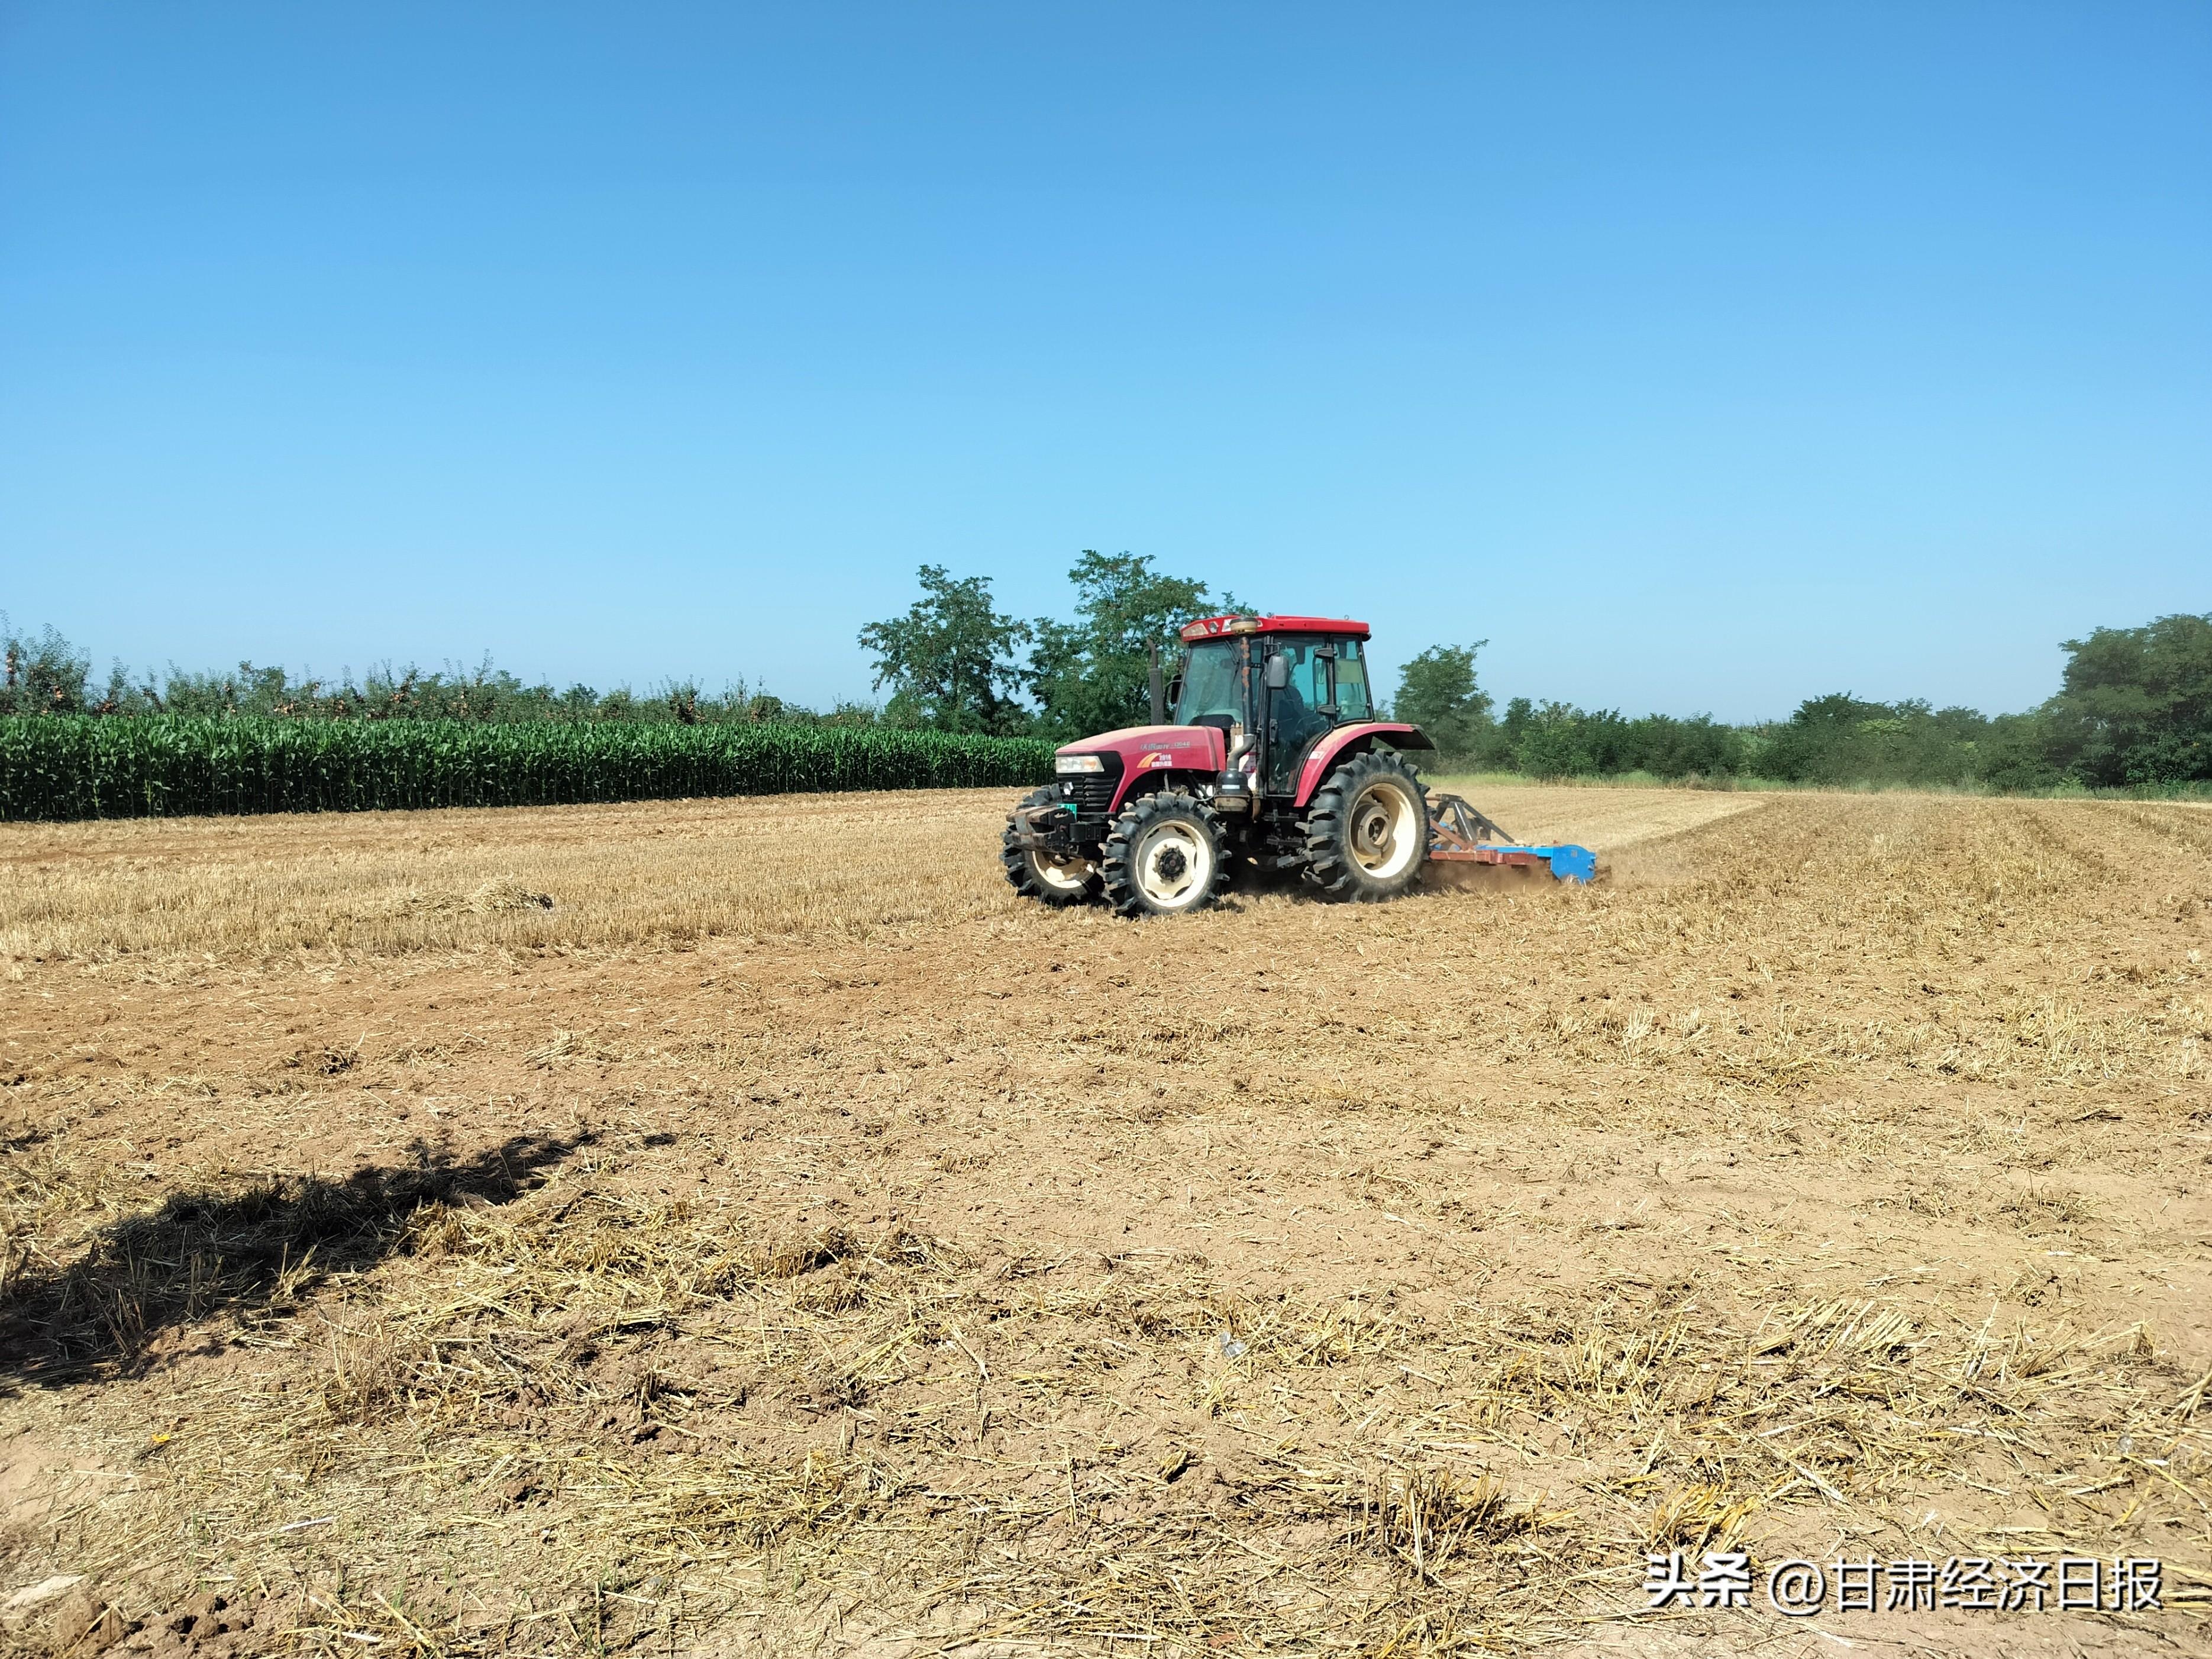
(59, 768)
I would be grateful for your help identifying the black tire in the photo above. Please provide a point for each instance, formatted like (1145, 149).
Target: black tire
(1367, 830)
(1036, 877)
(1165, 856)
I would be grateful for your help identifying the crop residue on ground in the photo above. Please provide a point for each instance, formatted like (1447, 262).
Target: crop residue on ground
(745, 1227)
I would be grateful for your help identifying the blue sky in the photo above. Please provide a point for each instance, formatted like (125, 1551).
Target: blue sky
(1700, 357)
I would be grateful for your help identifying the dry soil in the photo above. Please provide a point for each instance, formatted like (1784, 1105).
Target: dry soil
(747, 1227)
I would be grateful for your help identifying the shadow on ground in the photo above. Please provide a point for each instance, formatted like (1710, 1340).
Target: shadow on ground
(251, 1253)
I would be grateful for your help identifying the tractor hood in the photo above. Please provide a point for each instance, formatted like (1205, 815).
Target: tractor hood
(1175, 748)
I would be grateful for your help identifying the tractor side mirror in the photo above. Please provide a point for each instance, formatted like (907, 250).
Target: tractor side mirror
(1278, 670)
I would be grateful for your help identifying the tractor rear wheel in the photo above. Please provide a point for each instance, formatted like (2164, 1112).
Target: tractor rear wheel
(1165, 856)
(1038, 875)
(1367, 830)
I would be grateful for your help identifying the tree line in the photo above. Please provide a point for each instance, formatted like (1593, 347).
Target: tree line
(2133, 707)
(45, 674)
(2133, 710)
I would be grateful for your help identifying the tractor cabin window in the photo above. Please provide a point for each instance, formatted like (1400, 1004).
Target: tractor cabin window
(1211, 682)
(1330, 673)
(1352, 702)
(1308, 686)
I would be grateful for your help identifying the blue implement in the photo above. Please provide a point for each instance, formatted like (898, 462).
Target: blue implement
(1457, 834)
(1566, 862)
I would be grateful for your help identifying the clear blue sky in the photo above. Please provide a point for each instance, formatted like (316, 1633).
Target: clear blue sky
(1699, 356)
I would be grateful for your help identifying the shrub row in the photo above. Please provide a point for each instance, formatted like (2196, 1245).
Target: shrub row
(55, 768)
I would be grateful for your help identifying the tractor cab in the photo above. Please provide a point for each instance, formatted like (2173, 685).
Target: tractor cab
(1275, 686)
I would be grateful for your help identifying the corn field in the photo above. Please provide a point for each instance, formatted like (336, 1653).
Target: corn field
(63, 767)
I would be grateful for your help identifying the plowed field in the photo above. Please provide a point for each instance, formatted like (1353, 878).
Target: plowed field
(746, 1227)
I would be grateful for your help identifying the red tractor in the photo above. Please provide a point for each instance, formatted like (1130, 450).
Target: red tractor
(1265, 747)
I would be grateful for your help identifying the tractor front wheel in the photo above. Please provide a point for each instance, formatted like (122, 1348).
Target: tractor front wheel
(1367, 830)
(1163, 856)
(1038, 875)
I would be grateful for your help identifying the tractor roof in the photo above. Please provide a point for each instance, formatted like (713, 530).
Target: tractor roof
(1209, 628)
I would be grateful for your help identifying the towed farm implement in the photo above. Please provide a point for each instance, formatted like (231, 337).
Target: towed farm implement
(1263, 750)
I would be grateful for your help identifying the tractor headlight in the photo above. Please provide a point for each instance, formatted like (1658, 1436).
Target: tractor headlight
(1078, 763)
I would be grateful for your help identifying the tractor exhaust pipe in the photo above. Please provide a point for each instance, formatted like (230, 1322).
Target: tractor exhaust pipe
(1159, 689)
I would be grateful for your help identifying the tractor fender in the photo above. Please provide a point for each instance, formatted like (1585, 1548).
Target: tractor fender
(1345, 742)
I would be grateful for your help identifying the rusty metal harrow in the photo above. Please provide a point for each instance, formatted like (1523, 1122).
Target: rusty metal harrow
(1459, 833)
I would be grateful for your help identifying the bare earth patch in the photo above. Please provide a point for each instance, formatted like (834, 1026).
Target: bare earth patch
(734, 1227)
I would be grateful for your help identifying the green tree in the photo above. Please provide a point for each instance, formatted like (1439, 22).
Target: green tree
(950, 660)
(1438, 692)
(2135, 704)
(2016, 755)
(1669, 748)
(1559, 741)
(1095, 674)
(41, 675)
(1840, 739)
